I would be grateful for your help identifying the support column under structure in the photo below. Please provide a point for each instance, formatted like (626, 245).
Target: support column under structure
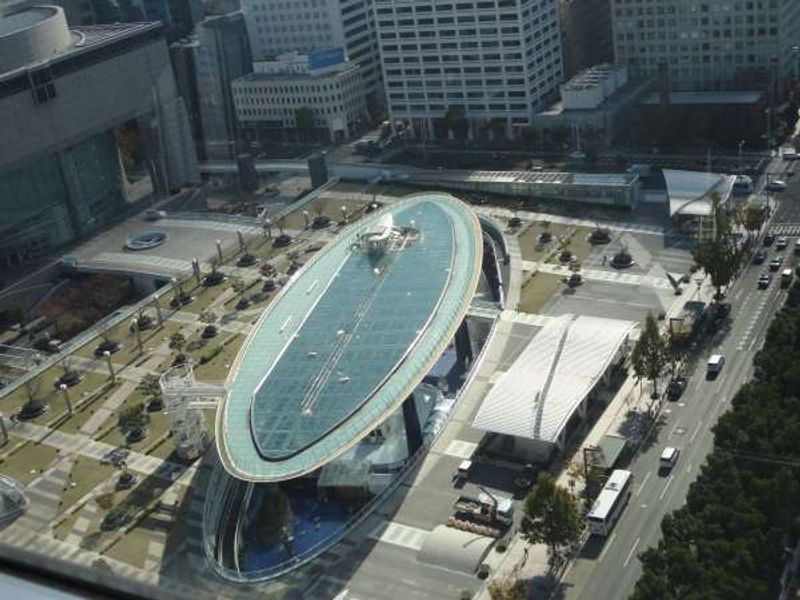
(464, 354)
(412, 424)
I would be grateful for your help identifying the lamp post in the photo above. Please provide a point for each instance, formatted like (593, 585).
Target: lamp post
(111, 372)
(178, 284)
(158, 311)
(65, 390)
(344, 214)
(305, 217)
(138, 332)
(3, 429)
(219, 251)
(741, 145)
(268, 227)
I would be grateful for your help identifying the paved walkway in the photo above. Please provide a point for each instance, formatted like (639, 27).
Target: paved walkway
(606, 275)
(76, 443)
(504, 213)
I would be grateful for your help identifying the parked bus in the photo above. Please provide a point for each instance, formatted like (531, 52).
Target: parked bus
(609, 504)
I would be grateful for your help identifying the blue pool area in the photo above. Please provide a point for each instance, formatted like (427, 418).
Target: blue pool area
(314, 521)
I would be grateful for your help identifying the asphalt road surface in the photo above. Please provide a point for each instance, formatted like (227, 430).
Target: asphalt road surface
(608, 569)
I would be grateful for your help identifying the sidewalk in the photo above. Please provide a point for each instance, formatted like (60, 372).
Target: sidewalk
(530, 562)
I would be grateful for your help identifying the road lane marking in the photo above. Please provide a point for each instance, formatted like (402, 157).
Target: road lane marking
(723, 399)
(666, 487)
(695, 432)
(607, 546)
(627, 560)
(671, 433)
(689, 467)
(644, 482)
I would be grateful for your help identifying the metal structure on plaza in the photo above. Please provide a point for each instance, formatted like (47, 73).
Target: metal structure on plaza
(184, 400)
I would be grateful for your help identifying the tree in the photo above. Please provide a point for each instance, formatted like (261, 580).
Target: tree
(507, 589)
(650, 355)
(550, 516)
(455, 119)
(718, 256)
(304, 120)
(753, 218)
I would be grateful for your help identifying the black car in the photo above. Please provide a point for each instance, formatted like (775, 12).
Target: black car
(676, 387)
(759, 257)
(768, 239)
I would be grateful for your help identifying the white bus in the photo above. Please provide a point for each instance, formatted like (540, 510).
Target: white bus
(609, 504)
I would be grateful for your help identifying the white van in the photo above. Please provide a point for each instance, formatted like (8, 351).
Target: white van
(668, 458)
(715, 363)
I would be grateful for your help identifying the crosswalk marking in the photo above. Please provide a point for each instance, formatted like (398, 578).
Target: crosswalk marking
(785, 229)
(400, 535)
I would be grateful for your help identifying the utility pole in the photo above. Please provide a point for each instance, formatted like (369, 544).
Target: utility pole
(741, 145)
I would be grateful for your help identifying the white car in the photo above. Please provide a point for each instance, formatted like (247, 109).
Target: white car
(776, 185)
(715, 363)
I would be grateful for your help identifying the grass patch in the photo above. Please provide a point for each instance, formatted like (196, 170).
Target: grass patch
(158, 425)
(65, 527)
(31, 457)
(529, 245)
(205, 297)
(131, 547)
(537, 290)
(216, 369)
(74, 423)
(87, 473)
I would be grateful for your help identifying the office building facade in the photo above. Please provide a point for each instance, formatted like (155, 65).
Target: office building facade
(268, 100)
(280, 26)
(586, 34)
(96, 126)
(205, 65)
(468, 69)
(710, 44)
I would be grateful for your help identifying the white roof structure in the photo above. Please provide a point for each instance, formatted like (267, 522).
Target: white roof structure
(690, 191)
(536, 397)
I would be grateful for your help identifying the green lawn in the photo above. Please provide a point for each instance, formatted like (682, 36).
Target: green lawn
(529, 245)
(29, 457)
(86, 474)
(537, 290)
(132, 547)
(65, 527)
(330, 208)
(217, 368)
(85, 412)
(158, 425)
(205, 296)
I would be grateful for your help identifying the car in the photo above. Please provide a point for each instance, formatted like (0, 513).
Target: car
(759, 257)
(781, 242)
(764, 281)
(776, 185)
(676, 387)
(669, 457)
(154, 215)
(715, 364)
(776, 262)
(768, 239)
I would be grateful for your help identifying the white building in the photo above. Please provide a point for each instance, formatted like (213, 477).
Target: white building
(276, 27)
(709, 45)
(269, 99)
(488, 65)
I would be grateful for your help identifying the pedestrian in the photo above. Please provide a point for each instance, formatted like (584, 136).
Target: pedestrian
(605, 258)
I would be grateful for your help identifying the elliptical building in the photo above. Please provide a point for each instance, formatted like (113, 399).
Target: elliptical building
(328, 402)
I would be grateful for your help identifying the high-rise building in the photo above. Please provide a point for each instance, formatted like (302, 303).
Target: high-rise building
(586, 34)
(205, 65)
(710, 44)
(91, 121)
(467, 68)
(277, 27)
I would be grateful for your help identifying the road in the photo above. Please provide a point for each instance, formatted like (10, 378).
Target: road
(608, 569)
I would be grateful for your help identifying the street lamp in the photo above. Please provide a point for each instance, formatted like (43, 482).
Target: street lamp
(741, 145)
(3, 429)
(344, 214)
(268, 227)
(219, 251)
(305, 217)
(138, 332)
(158, 311)
(65, 390)
(111, 372)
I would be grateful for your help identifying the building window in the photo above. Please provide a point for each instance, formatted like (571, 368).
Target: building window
(43, 86)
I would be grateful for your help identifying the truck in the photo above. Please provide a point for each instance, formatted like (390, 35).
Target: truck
(786, 278)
